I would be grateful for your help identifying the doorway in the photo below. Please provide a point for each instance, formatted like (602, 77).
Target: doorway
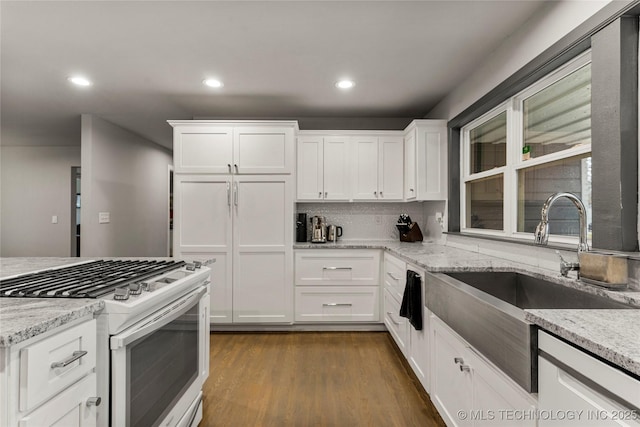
(75, 211)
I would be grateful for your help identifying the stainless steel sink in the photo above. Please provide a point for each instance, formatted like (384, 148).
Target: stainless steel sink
(531, 292)
(487, 310)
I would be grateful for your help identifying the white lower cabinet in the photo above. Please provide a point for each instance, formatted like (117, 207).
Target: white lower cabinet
(50, 380)
(337, 285)
(468, 390)
(397, 326)
(344, 304)
(419, 342)
(67, 409)
(576, 389)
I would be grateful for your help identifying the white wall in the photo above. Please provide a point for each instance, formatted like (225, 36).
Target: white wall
(36, 184)
(127, 176)
(545, 28)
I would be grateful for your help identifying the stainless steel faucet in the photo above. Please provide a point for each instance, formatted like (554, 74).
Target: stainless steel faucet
(542, 230)
(541, 235)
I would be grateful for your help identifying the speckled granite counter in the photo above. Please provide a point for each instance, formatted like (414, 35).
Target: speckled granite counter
(24, 318)
(613, 335)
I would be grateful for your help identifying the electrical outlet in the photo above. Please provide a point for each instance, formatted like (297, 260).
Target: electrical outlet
(377, 219)
(54, 219)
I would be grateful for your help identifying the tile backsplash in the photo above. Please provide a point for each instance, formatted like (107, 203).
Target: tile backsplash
(369, 221)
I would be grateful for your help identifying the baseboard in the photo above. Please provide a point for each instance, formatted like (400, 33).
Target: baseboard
(301, 327)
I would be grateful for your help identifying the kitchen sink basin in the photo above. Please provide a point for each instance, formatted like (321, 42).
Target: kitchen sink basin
(526, 292)
(487, 310)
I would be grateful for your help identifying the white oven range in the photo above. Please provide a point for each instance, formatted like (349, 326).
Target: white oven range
(152, 338)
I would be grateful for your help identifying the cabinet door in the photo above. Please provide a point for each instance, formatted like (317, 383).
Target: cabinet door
(206, 149)
(396, 325)
(365, 168)
(391, 171)
(203, 230)
(263, 150)
(263, 249)
(432, 163)
(67, 409)
(310, 168)
(496, 397)
(451, 390)
(336, 168)
(410, 192)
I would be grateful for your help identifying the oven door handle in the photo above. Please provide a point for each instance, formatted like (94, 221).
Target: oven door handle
(176, 310)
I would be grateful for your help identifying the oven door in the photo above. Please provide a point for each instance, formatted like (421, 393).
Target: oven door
(155, 367)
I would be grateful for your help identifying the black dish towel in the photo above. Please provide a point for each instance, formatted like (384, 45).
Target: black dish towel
(411, 307)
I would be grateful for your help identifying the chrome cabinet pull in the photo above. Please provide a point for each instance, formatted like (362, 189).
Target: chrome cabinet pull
(236, 166)
(94, 401)
(235, 194)
(326, 194)
(69, 360)
(381, 194)
(411, 189)
(465, 368)
(392, 276)
(229, 166)
(228, 194)
(336, 304)
(457, 360)
(320, 194)
(375, 193)
(337, 268)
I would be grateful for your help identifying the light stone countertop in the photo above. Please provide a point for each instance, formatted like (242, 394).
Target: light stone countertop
(613, 335)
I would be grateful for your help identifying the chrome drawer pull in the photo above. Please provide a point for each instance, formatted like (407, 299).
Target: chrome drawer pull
(457, 360)
(337, 268)
(75, 356)
(393, 276)
(392, 319)
(94, 401)
(336, 304)
(465, 368)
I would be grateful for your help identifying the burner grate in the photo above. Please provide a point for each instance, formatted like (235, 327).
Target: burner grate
(90, 280)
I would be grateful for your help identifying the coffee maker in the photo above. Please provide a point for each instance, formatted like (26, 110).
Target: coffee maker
(318, 229)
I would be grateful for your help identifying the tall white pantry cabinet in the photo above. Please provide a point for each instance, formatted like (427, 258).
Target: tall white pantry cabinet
(233, 202)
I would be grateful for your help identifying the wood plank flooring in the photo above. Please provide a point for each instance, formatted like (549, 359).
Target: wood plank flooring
(331, 379)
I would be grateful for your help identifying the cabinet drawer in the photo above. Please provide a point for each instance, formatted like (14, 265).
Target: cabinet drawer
(330, 304)
(337, 267)
(40, 378)
(68, 408)
(396, 325)
(395, 276)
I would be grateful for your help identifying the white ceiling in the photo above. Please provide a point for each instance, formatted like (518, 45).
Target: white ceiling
(147, 60)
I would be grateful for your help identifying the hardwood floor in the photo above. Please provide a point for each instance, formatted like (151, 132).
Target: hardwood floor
(329, 379)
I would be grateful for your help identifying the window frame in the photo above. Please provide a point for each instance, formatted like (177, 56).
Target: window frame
(513, 107)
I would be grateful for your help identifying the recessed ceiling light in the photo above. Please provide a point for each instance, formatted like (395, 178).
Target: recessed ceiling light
(345, 84)
(213, 83)
(80, 81)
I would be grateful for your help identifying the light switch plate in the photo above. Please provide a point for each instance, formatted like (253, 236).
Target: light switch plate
(54, 219)
(104, 217)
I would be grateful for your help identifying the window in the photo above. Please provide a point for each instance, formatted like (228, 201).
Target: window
(535, 144)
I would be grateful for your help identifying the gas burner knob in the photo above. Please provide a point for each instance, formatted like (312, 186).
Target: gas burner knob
(145, 286)
(190, 267)
(198, 264)
(135, 289)
(121, 294)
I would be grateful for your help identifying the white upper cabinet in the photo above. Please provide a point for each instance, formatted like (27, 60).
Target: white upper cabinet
(202, 146)
(410, 192)
(323, 168)
(426, 160)
(377, 167)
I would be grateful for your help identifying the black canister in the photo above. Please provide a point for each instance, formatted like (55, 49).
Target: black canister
(301, 228)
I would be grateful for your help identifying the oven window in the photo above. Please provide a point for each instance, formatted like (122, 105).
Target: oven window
(162, 366)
